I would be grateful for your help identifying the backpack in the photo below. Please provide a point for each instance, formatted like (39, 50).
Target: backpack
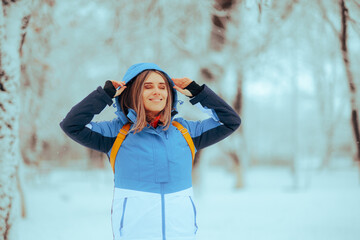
(125, 129)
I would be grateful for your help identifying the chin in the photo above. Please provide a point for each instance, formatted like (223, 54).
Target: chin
(156, 110)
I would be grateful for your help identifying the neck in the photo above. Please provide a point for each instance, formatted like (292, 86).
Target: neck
(150, 116)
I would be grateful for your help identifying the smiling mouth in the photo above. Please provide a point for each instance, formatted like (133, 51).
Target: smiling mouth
(155, 100)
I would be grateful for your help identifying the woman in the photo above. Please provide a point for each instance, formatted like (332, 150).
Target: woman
(153, 197)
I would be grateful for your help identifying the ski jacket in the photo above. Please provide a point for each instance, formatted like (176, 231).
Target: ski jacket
(153, 196)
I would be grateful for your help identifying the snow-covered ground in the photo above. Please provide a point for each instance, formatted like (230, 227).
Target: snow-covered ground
(68, 204)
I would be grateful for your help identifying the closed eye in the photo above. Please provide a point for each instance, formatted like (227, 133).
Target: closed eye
(162, 86)
(151, 85)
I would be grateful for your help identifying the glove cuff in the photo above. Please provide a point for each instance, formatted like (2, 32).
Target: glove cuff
(109, 89)
(194, 88)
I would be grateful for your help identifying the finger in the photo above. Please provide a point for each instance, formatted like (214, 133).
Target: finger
(182, 82)
(123, 84)
(183, 91)
(179, 89)
(178, 82)
(115, 83)
(122, 89)
(118, 84)
(186, 81)
(118, 92)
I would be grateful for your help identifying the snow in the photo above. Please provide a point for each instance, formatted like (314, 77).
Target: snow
(294, 92)
(75, 204)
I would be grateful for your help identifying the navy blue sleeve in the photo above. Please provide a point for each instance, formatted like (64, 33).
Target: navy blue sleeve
(224, 120)
(74, 124)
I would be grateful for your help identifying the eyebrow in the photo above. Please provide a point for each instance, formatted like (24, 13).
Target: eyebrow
(147, 83)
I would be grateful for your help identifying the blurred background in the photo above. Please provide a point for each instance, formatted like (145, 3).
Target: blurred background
(288, 67)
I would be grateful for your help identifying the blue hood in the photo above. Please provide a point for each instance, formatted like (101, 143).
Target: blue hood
(130, 74)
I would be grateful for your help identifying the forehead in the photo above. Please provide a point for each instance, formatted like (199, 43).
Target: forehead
(154, 78)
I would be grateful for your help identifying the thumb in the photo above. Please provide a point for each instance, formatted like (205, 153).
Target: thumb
(115, 84)
(118, 92)
(183, 91)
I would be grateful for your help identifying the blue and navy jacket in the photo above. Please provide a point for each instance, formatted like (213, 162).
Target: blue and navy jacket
(153, 196)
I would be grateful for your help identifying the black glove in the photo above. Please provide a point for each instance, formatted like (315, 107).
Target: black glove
(194, 88)
(109, 88)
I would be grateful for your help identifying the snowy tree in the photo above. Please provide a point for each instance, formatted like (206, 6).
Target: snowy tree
(35, 72)
(14, 19)
(268, 43)
(222, 71)
(345, 17)
(340, 15)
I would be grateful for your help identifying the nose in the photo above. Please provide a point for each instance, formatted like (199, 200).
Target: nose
(156, 91)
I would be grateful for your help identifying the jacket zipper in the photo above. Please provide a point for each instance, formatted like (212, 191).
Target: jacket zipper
(163, 211)
(122, 217)
(192, 202)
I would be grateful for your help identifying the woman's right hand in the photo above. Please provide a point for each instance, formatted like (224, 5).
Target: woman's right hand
(119, 86)
(114, 88)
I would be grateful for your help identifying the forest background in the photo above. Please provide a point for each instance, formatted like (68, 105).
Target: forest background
(289, 68)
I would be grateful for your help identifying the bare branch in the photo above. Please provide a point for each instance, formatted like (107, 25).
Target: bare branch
(356, 3)
(180, 45)
(351, 19)
(289, 9)
(324, 15)
(355, 27)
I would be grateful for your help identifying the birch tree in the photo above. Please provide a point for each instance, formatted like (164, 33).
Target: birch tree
(35, 70)
(223, 69)
(14, 19)
(344, 12)
(343, 33)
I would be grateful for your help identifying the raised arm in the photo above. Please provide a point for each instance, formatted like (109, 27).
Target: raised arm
(77, 123)
(224, 120)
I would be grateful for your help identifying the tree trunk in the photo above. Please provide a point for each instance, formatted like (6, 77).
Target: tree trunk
(96, 159)
(352, 87)
(241, 154)
(218, 39)
(219, 20)
(13, 23)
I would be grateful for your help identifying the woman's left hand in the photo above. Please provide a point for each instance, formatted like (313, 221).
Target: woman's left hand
(181, 84)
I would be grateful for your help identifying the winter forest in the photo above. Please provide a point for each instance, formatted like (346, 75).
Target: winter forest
(290, 68)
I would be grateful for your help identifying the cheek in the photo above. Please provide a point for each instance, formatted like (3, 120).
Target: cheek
(144, 100)
(165, 95)
(145, 95)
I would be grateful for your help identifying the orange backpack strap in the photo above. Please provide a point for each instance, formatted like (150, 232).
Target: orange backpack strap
(125, 129)
(187, 137)
(116, 146)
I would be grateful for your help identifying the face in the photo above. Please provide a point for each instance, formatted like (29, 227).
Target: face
(154, 94)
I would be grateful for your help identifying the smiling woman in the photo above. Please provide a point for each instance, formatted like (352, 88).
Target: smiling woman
(147, 94)
(151, 152)
(155, 94)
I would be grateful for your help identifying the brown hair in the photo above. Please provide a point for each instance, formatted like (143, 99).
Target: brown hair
(132, 98)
